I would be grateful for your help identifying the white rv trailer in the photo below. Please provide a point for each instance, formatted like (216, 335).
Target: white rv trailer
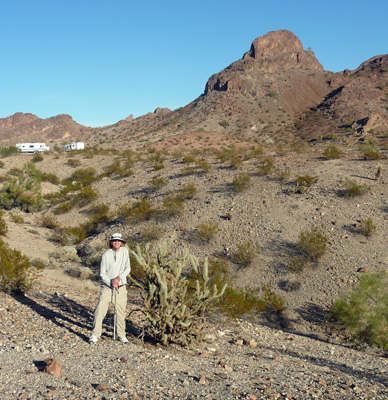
(32, 147)
(74, 146)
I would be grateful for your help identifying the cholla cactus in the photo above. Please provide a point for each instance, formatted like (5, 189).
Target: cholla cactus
(174, 311)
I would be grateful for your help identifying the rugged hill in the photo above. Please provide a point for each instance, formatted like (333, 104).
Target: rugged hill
(29, 128)
(277, 92)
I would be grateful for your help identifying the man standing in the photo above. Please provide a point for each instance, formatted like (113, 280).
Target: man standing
(114, 269)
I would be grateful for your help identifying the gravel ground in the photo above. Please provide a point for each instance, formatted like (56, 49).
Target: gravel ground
(240, 360)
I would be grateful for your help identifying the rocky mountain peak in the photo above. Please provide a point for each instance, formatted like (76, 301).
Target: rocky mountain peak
(281, 50)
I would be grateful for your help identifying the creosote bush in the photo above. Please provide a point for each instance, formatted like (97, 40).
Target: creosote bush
(367, 227)
(23, 191)
(354, 189)
(17, 273)
(313, 243)
(206, 231)
(265, 167)
(241, 182)
(175, 312)
(245, 253)
(332, 152)
(363, 311)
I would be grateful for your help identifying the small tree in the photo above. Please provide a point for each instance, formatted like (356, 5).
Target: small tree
(174, 310)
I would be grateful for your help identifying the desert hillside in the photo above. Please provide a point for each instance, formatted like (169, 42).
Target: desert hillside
(274, 149)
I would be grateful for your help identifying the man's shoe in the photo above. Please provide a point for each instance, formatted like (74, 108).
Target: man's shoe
(124, 340)
(93, 339)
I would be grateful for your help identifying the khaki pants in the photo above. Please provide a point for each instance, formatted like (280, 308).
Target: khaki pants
(106, 297)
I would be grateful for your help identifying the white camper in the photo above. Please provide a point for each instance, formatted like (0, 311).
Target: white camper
(74, 146)
(32, 147)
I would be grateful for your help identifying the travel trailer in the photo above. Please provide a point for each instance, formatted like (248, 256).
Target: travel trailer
(32, 147)
(74, 146)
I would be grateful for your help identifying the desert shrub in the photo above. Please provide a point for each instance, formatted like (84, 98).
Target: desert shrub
(332, 152)
(313, 243)
(364, 310)
(113, 169)
(241, 182)
(138, 211)
(74, 162)
(14, 171)
(203, 166)
(17, 273)
(17, 218)
(266, 166)
(297, 263)
(186, 192)
(151, 232)
(157, 161)
(369, 149)
(188, 159)
(206, 231)
(48, 220)
(9, 151)
(64, 207)
(69, 235)
(245, 253)
(1, 164)
(23, 191)
(3, 224)
(224, 123)
(49, 177)
(85, 196)
(367, 227)
(37, 158)
(80, 178)
(354, 189)
(82, 273)
(172, 207)
(303, 182)
(174, 313)
(282, 175)
(100, 213)
(157, 182)
(188, 170)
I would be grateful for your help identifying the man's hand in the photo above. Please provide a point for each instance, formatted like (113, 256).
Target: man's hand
(115, 282)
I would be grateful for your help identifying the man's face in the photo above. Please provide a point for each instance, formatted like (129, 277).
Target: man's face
(116, 244)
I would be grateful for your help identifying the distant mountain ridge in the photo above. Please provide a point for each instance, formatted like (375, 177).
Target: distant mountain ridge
(276, 92)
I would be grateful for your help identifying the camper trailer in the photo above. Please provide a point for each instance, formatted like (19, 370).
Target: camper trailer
(32, 147)
(74, 146)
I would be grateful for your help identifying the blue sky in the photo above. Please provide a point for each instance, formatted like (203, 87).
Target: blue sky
(100, 61)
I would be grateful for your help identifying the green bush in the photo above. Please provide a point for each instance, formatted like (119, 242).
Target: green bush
(241, 182)
(305, 181)
(157, 182)
(364, 310)
(48, 220)
(49, 177)
(332, 152)
(37, 158)
(206, 231)
(174, 312)
(354, 189)
(23, 191)
(245, 253)
(172, 207)
(3, 224)
(9, 151)
(367, 227)
(73, 162)
(370, 150)
(17, 273)
(266, 166)
(186, 192)
(313, 244)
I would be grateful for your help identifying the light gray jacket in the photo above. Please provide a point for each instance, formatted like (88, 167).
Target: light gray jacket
(115, 264)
